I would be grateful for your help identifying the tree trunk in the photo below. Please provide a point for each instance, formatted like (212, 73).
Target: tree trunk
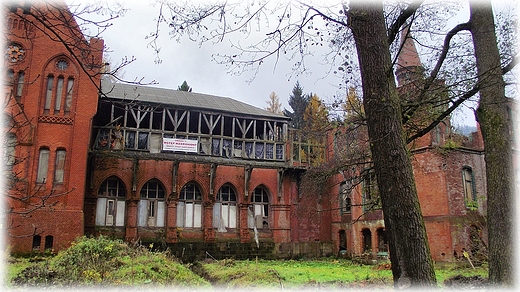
(494, 118)
(409, 250)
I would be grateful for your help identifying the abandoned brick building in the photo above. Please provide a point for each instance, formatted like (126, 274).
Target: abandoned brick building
(200, 173)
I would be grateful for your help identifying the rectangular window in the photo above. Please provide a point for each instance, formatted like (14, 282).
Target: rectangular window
(59, 92)
(19, 84)
(142, 142)
(68, 98)
(100, 211)
(110, 212)
(141, 210)
(469, 188)
(43, 166)
(155, 143)
(48, 94)
(60, 166)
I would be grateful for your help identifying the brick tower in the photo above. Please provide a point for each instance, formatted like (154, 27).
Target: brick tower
(50, 97)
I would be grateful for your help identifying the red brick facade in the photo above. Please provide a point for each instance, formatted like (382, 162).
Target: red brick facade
(114, 185)
(57, 123)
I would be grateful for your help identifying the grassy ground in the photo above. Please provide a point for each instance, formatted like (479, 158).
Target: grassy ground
(316, 273)
(107, 263)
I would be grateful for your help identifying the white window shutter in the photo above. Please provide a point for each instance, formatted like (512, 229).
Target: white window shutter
(161, 206)
(100, 211)
(120, 213)
(180, 214)
(197, 218)
(142, 212)
(216, 214)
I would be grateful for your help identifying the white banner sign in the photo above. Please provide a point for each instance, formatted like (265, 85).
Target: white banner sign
(171, 144)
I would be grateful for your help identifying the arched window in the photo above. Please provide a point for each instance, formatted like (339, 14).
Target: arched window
(189, 209)
(110, 208)
(382, 241)
(371, 200)
(9, 151)
(19, 84)
(59, 86)
(367, 240)
(259, 210)
(43, 165)
(152, 206)
(59, 170)
(468, 181)
(344, 199)
(225, 209)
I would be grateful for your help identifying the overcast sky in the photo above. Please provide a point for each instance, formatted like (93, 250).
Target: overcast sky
(187, 61)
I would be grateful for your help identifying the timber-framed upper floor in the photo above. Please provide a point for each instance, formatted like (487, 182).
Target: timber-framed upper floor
(142, 121)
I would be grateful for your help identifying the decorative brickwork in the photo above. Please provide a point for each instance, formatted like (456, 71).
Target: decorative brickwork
(56, 120)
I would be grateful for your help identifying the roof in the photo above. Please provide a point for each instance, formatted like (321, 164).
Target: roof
(408, 57)
(184, 99)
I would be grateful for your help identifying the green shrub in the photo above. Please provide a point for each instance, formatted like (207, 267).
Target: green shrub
(89, 260)
(102, 261)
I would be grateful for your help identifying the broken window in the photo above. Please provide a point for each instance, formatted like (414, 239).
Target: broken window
(189, 208)
(344, 199)
(49, 242)
(367, 240)
(152, 206)
(371, 199)
(37, 241)
(259, 210)
(110, 209)
(470, 193)
(225, 209)
(342, 241)
(382, 242)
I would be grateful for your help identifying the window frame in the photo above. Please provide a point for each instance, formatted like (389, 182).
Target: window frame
(109, 204)
(469, 192)
(42, 171)
(59, 166)
(370, 192)
(152, 208)
(259, 208)
(59, 87)
(225, 212)
(189, 209)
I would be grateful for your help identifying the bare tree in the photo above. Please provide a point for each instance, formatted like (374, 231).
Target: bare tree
(293, 30)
